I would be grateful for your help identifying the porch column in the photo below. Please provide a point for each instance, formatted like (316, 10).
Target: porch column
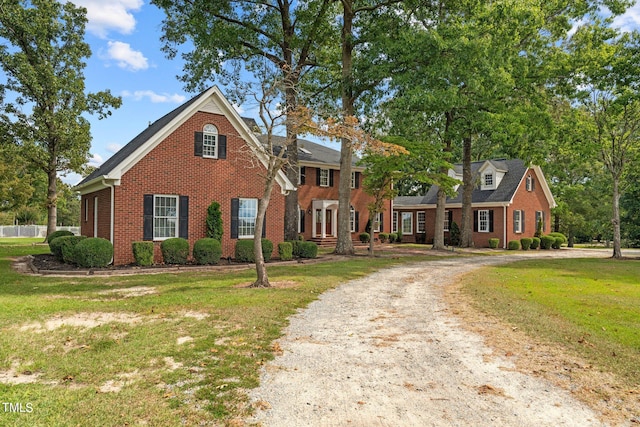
(334, 223)
(324, 222)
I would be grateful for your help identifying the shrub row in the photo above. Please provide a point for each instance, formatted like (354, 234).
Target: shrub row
(553, 240)
(390, 237)
(303, 249)
(85, 252)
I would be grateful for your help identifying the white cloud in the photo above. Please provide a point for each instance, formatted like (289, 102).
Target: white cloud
(110, 15)
(114, 147)
(156, 98)
(96, 160)
(126, 57)
(630, 20)
(238, 108)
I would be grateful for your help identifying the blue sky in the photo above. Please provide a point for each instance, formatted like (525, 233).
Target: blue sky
(124, 36)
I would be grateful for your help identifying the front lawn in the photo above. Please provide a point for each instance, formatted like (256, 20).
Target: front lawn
(589, 306)
(160, 350)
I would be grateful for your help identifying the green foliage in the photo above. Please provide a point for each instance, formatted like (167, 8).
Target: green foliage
(546, 242)
(559, 235)
(513, 245)
(215, 228)
(308, 250)
(285, 251)
(539, 228)
(525, 242)
(399, 237)
(557, 243)
(62, 247)
(175, 250)
(93, 252)
(493, 243)
(143, 253)
(295, 245)
(384, 237)
(58, 233)
(244, 250)
(207, 251)
(364, 237)
(454, 234)
(392, 237)
(535, 242)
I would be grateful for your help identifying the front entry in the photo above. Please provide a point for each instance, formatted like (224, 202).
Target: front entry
(325, 217)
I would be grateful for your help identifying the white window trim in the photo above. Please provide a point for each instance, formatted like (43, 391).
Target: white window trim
(352, 219)
(353, 180)
(86, 209)
(394, 222)
(408, 215)
(446, 221)
(486, 228)
(518, 221)
(241, 218)
(177, 216)
(377, 222)
(95, 216)
(324, 176)
(421, 224)
(210, 130)
(529, 183)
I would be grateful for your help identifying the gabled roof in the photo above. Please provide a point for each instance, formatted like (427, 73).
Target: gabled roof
(515, 171)
(114, 167)
(310, 153)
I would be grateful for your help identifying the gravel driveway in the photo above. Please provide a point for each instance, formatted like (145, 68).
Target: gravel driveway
(384, 351)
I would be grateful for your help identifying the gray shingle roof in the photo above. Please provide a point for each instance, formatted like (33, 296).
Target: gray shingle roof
(515, 170)
(311, 152)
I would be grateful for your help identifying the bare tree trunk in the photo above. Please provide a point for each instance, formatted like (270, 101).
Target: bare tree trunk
(344, 245)
(52, 201)
(438, 237)
(263, 279)
(466, 235)
(291, 210)
(617, 251)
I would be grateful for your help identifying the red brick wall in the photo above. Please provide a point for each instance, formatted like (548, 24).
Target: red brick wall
(171, 168)
(104, 214)
(529, 202)
(309, 191)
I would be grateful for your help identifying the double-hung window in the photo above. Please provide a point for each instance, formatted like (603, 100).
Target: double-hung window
(352, 219)
(210, 141)
(483, 221)
(407, 222)
(421, 222)
(488, 180)
(324, 177)
(517, 221)
(377, 222)
(247, 212)
(165, 217)
(446, 221)
(394, 222)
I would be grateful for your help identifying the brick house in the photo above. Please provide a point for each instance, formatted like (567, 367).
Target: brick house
(508, 201)
(160, 184)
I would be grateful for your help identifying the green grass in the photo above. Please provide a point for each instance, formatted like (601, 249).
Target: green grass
(589, 306)
(163, 383)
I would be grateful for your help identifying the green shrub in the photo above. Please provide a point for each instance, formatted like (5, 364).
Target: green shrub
(546, 242)
(493, 243)
(557, 242)
(207, 251)
(285, 251)
(399, 237)
(557, 234)
(58, 233)
(526, 243)
(454, 234)
(175, 250)
(143, 253)
(535, 242)
(308, 250)
(513, 245)
(93, 252)
(62, 247)
(244, 250)
(365, 237)
(295, 247)
(384, 237)
(392, 237)
(214, 221)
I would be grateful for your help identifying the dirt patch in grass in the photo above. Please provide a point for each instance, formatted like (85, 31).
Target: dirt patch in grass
(13, 376)
(80, 320)
(600, 390)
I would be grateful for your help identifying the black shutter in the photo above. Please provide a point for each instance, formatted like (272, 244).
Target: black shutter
(318, 177)
(303, 177)
(357, 179)
(515, 213)
(522, 221)
(491, 221)
(235, 207)
(475, 220)
(148, 217)
(381, 227)
(222, 146)
(264, 226)
(330, 177)
(544, 223)
(302, 220)
(198, 144)
(357, 222)
(183, 222)
(450, 215)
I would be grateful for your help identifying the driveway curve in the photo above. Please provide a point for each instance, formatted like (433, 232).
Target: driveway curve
(384, 351)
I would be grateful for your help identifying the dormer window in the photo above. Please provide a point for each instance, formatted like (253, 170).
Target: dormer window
(488, 180)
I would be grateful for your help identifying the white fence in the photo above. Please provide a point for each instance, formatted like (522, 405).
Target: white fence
(31, 230)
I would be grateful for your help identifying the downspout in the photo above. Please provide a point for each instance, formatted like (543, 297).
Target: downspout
(111, 216)
(504, 227)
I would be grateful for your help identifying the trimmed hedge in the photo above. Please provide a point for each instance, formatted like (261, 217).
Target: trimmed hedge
(57, 234)
(559, 241)
(175, 250)
(557, 234)
(392, 237)
(546, 242)
(207, 251)
(62, 247)
(399, 237)
(384, 237)
(295, 246)
(525, 242)
(308, 250)
(93, 252)
(365, 237)
(513, 245)
(285, 251)
(493, 243)
(143, 253)
(244, 250)
(535, 242)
